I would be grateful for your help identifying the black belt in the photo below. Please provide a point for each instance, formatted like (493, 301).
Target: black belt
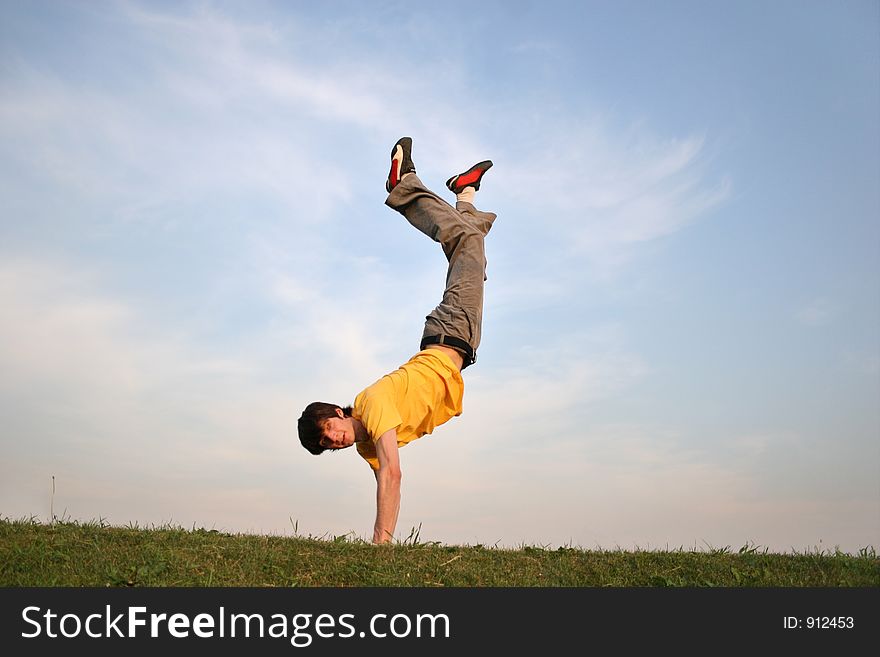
(448, 340)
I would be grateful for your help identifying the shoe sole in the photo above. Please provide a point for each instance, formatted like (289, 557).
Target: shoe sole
(398, 153)
(470, 178)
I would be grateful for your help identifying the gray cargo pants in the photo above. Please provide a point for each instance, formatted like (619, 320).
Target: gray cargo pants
(460, 231)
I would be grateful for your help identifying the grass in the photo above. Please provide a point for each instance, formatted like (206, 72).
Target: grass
(96, 554)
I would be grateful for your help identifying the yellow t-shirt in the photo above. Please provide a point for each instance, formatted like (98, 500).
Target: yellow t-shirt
(423, 393)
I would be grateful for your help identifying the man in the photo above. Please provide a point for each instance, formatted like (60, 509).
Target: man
(427, 390)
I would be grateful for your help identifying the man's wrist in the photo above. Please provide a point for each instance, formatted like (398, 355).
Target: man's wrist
(381, 536)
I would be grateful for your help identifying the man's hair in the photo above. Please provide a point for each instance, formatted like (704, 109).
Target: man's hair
(311, 424)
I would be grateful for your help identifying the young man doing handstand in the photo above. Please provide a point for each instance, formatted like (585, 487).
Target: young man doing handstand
(428, 389)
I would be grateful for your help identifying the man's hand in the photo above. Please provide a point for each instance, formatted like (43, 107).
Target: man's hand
(387, 487)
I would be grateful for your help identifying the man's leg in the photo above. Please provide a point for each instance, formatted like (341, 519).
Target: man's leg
(429, 218)
(480, 220)
(460, 232)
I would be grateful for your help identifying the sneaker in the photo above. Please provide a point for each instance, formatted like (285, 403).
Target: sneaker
(401, 162)
(470, 178)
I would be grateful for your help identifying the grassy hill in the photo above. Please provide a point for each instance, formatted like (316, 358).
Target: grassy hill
(94, 554)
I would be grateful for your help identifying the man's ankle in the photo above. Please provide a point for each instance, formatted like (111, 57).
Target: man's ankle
(466, 195)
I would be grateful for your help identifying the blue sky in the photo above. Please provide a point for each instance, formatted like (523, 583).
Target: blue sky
(682, 327)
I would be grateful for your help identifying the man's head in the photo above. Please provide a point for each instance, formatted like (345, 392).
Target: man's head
(324, 426)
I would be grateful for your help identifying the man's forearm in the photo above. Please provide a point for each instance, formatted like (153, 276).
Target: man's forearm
(387, 505)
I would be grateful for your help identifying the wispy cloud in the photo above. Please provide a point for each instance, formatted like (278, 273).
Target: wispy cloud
(224, 106)
(817, 312)
(542, 389)
(237, 131)
(606, 193)
(138, 420)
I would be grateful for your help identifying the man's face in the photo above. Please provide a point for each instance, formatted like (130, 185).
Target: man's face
(337, 432)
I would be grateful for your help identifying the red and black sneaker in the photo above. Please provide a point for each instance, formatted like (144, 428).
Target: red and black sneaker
(470, 178)
(401, 162)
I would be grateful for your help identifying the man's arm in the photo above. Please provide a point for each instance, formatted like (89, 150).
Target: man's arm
(387, 487)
